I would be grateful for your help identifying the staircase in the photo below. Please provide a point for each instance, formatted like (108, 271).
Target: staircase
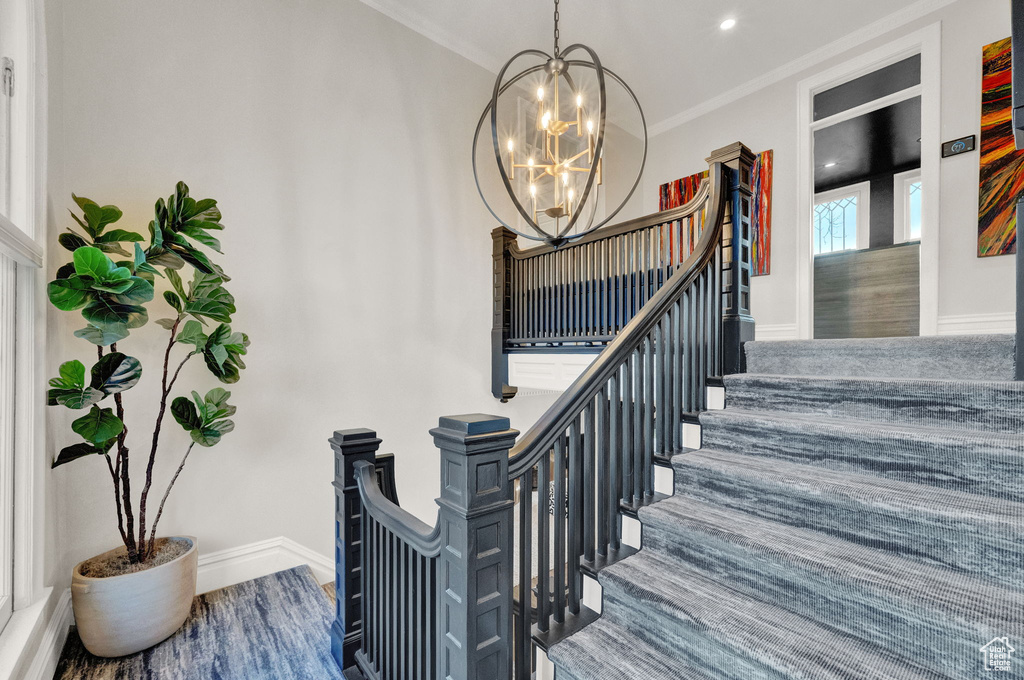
(855, 512)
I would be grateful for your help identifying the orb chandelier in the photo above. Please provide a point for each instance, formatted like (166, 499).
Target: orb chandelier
(552, 167)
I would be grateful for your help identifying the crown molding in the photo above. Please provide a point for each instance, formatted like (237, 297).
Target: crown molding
(415, 21)
(918, 10)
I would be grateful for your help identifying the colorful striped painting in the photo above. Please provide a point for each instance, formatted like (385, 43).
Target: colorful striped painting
(1002, 176)
(677, 193)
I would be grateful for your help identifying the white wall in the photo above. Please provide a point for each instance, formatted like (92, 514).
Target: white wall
(337, 142)
(766, 119)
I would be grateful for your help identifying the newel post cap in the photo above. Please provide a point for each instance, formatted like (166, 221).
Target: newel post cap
(474, 433)
(358, 440)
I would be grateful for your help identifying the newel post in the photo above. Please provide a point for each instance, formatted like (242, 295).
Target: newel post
(475, 566)
(737, 234)
(350, 447)
(501, 326)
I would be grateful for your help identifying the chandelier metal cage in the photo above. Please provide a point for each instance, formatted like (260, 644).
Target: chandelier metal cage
(559, 171)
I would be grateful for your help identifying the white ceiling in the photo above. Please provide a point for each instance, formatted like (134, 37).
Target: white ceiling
(671, 52)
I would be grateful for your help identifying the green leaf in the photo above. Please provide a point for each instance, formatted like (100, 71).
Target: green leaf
(73, 398)
(115, 372)
(96, 218)
(98, 425)
(117, 281)
(175, 280)
(166, 323)
(161, 257)
(117, 235)
(103, 336)
(72, 241)
(185, 413)
(112, 248)
(90, 261)
(200, 236)
(223, 353)
(106, 314)
(69, 294)
(208, 298)
(139, 291)
(173, 300)
(192, 334)
(72, 374)
(210, 435)
(76, 451)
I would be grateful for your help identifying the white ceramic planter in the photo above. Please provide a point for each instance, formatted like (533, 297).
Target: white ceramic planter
(120, 615)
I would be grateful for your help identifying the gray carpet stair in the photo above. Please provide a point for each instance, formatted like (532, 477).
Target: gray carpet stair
(855, 512)
(945, 357)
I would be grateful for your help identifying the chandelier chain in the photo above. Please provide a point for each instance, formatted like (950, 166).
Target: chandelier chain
(556, 29)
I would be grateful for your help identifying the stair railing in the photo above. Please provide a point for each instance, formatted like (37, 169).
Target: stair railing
(578, 297)
(415, 601)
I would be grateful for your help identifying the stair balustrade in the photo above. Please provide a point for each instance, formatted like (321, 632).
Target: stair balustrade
(473, 596)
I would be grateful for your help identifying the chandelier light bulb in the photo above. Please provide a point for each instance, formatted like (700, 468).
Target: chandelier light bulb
(565, 179)
(545, 120)
(530, 162)
(590, 126)
(510, 145)
(533, 190)
(540, 94)
(579, 100)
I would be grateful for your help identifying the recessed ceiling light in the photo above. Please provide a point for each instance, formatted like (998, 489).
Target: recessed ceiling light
(727, 24)
(830, 165)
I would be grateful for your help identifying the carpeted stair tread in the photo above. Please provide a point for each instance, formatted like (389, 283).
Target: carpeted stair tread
(963, 460)
(682, 604)
(605, 651)
(962, 531)
(955, 404)
(949, 357)
(885, 599)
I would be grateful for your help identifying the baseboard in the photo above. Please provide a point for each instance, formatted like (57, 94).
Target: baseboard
(969, 324)
(47, 655)
(778, 331)
(234, 565)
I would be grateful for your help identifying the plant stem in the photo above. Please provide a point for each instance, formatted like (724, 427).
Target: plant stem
(117, 499)
(164, 390)
(126, 484)
(160, 510)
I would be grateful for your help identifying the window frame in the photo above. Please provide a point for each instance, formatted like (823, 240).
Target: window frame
(901, 182)
(22, 236)
(862, 192)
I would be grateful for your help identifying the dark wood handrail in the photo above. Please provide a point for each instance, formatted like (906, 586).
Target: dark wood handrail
(425, 539)
(636, 224)
(534, 445)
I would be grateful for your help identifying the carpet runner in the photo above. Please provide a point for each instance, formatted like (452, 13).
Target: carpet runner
(855, 513)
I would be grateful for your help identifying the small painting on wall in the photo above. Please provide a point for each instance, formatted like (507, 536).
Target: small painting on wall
(681, 191)
(1002, 166)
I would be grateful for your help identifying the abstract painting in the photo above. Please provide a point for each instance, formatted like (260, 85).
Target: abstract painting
(681, 191)
(1002, 166)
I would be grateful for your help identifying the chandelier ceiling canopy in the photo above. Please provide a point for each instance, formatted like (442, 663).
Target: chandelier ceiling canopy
(548, 132)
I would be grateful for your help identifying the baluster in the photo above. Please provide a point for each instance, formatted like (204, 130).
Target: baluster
(543, 543)
(559, 519)
(602, 472)
(613, 478)
(589, 449)
(366, 598)
(677, 377)
(619, 314)
(684, 340)
(671, 412)
(575, 518)
(404, 627)
(659, 388)
(626, 451)
(392, 604)
(378, 614)
(524, 654)
(691, 347)
(638, 439)
(432, 622)
(702, 343)
(649, 379)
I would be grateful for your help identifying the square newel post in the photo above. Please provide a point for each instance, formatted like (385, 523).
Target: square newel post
(737, 233)
(501, 326)
(475, 565)
(350, 447)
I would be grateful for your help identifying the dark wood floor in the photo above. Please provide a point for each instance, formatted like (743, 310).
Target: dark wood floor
(271, 628)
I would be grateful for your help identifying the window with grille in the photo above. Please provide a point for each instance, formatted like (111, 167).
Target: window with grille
(841, 219)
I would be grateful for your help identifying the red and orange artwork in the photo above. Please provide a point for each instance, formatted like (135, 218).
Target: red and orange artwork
(681, 191)
(1002, 166)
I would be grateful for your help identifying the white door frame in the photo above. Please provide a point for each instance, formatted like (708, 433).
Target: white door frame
(928, 43)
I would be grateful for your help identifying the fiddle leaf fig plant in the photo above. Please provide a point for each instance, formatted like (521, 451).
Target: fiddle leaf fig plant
(112, 297)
